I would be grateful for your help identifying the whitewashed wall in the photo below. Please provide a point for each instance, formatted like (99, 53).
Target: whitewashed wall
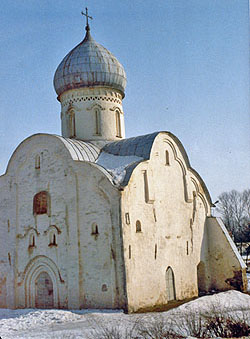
(83, 102)
(79, 265)
(169, 221)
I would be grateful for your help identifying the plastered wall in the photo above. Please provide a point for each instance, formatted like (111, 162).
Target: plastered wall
(86, 270)
(227, 268)
(83, 103)
(172, 210)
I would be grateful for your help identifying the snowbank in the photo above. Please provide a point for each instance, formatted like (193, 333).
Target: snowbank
(116, 165)
(30, 323)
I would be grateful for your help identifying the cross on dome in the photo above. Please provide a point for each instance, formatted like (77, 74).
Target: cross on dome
(87, 17)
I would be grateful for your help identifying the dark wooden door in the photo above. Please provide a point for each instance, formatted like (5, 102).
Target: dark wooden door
(44, 291)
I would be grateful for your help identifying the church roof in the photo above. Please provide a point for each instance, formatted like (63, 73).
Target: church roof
(81, 150)
(120, 158)
(139, 146)
(89, 64)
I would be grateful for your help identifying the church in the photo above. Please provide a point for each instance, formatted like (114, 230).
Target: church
(90, 219)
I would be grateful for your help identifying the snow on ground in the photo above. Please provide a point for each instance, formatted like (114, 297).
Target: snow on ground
(31, 323)
(116, 165)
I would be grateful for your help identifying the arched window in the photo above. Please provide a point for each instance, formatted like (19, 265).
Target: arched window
(37, 162)
(138, 226)
(170, 285)
(72, 124)
(52, 239)
(41, 203)
(32, 242)
(97, 122)
(118, 124)
(166, 158)
(94, 229)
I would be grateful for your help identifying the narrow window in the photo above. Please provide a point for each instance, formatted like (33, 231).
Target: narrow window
(127, 218)
(41, 203)
(129, 252)
(187, 247)
(104, 288)
(37, 162)
(138, 226)
(97, 122)
(9, 258)
(166, 158)
(118, 124)
(72, 124)
(52, 239)
(155, 251)
(94, 229)
(32, 242)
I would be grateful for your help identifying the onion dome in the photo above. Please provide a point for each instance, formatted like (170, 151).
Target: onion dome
(89, 64)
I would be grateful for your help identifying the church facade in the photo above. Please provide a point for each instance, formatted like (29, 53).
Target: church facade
(90, 219)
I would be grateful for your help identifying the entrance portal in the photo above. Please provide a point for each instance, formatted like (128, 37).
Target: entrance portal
(44, 291)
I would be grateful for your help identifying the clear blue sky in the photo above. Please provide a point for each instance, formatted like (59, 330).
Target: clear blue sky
(187, 65)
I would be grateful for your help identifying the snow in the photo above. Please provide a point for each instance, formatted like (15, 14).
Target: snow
(248, 279)
(31, 323)
(116, 164)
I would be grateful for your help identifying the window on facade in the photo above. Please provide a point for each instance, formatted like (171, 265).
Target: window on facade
(97, 122)
(52, 239)
(138, 226)
(118, 124)
(41, 203)
(155, 251)
(72, 124)
(127, 218)
(32, 242)
(129, 251)
(37, 162)
(166, 158)
(94, 229)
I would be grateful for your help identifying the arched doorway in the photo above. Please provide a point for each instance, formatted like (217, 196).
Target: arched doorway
(42, 283)
(201, 277)
(170, 286)
(44, 291)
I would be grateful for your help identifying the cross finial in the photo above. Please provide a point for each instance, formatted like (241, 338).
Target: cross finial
(87, 17)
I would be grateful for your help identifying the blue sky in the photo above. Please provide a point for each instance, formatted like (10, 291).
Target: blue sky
(187, 65)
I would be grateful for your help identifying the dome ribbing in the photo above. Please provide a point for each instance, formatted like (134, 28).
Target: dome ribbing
(89, 64)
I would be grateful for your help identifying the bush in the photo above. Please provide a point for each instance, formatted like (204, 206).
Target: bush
(214, 324)
(226, 326)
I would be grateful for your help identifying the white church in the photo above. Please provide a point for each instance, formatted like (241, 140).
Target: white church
(90, 219)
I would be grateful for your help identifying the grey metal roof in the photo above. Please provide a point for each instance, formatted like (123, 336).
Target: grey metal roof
(80, 150)
(139, 146)
(89, 64)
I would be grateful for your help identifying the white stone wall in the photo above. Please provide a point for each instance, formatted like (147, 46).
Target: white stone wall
(80, 265)
(170, 219)
(227, 268)
(82, 103)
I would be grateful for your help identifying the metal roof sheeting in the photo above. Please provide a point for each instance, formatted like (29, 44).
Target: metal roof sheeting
(139, 146)
(81, 150)
(89, 64)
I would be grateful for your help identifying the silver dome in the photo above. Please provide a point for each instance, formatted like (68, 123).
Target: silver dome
(89, 64)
